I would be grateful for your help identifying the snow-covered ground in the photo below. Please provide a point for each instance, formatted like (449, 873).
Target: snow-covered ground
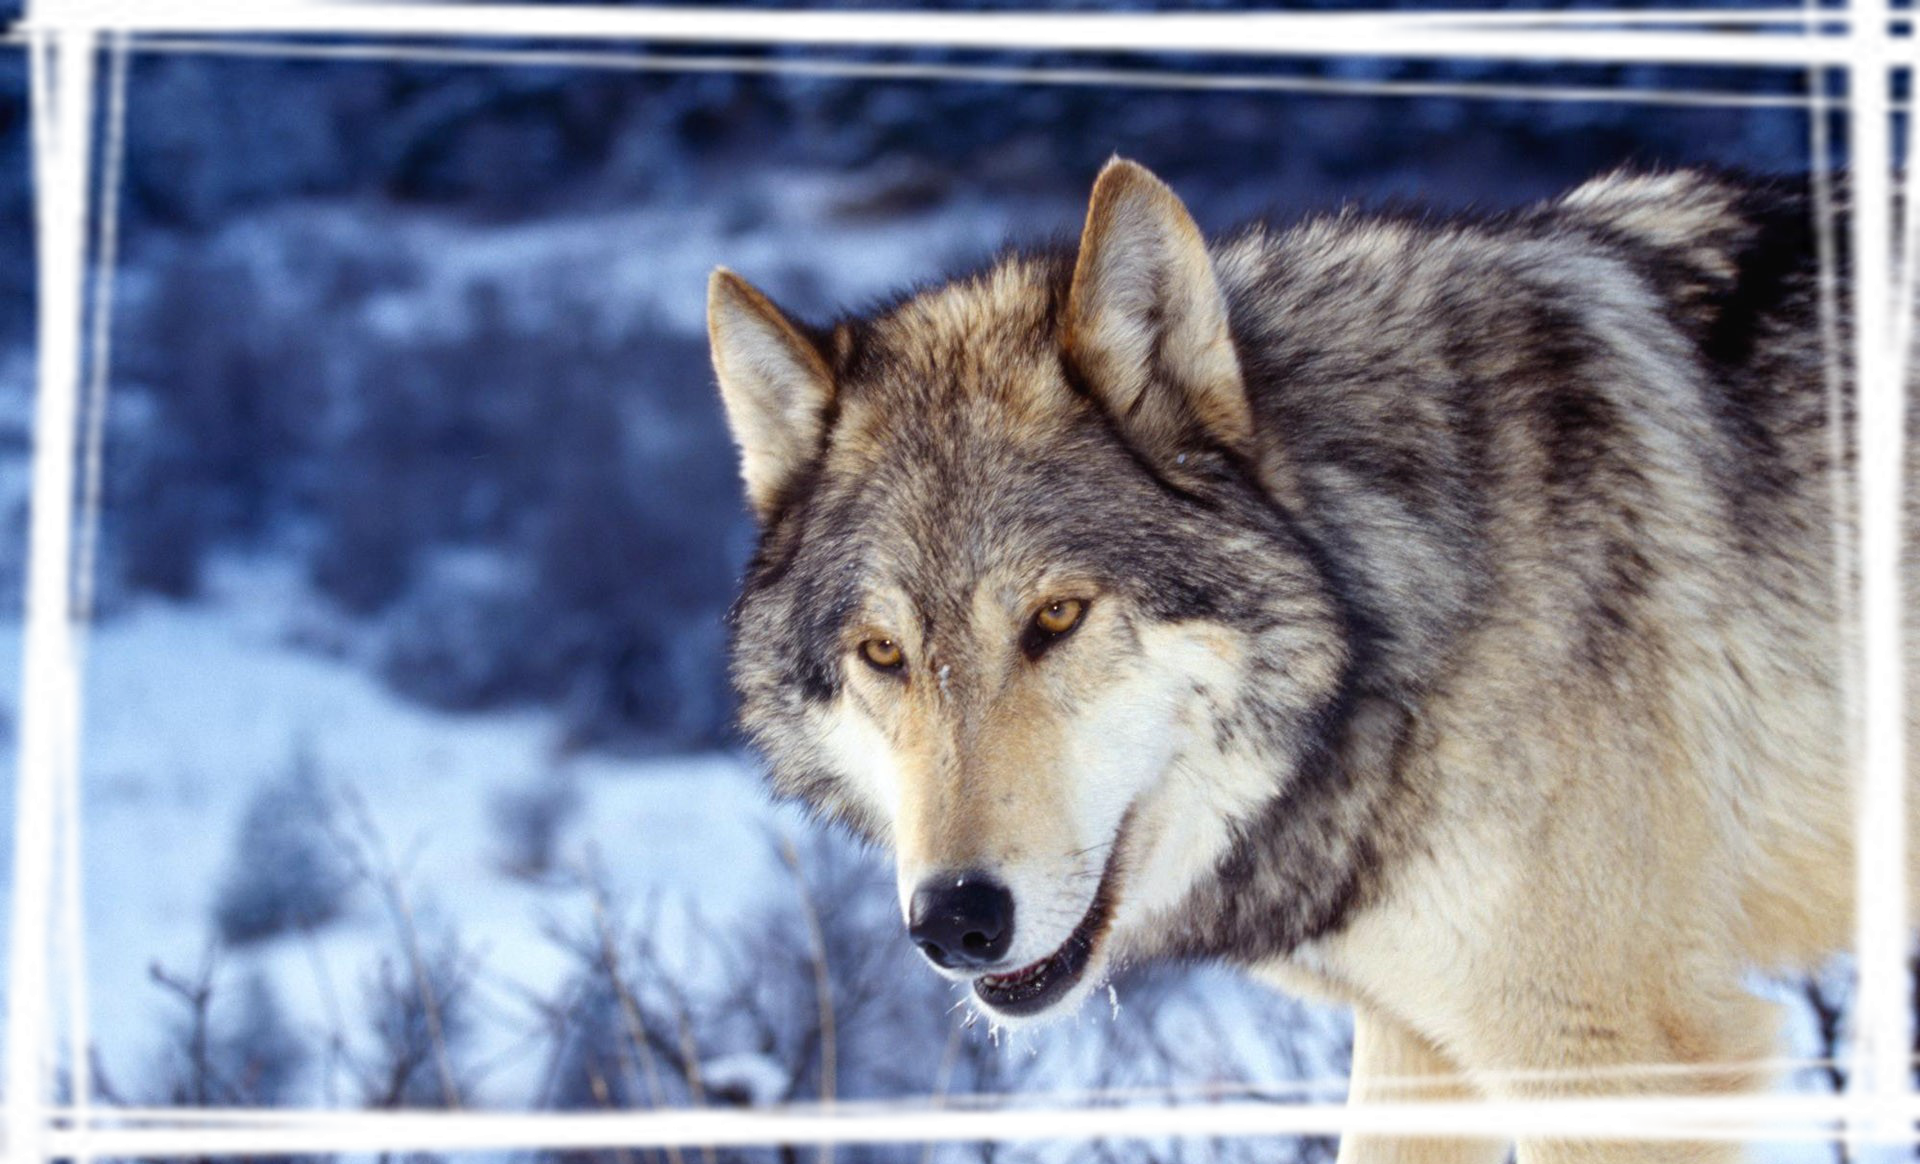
(191, 708)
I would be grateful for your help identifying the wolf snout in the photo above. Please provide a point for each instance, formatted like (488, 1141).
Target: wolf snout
(961, 921)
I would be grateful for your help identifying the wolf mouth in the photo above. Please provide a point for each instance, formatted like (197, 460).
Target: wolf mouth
(1033, 988)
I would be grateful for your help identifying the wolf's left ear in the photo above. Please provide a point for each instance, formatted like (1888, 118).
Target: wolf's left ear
(774, 382)
(1146, 323)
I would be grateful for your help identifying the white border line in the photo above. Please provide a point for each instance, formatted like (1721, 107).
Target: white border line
(1378, 34)
(62, 89)
(1787, 1118)
(1882, 1018)
(1145, 78)
(93, 418)
(1409, 1089)
(558, 20)
(50, 696)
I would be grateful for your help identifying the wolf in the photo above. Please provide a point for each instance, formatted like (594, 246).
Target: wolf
(1440, 616)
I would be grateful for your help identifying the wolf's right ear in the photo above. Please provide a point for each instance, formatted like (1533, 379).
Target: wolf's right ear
(1146, 321)
(774, 382)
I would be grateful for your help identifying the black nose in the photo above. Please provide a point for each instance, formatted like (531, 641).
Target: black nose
(961, 920)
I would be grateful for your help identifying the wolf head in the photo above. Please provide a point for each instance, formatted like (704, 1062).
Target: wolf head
(1023, 610)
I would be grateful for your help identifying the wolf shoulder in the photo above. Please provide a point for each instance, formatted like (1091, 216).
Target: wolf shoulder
(1646, 345)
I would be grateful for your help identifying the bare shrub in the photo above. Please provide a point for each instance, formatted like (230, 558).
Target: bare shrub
(241, 1055)
(814, 998)
(286, 872)
(233, 408)
(755, 1030)
(528, 821)
(590, 469)
(364, 557)
(416, 1010)
(416, 1002)
(159, 533)
(458, 638)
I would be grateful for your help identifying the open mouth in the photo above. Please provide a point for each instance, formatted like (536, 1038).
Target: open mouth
(1033, 988)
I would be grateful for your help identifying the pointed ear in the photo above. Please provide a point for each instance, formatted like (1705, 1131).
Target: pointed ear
(1146, 323)
(774, 382)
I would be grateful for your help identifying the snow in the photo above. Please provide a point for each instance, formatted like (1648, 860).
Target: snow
(759, 1079)
(191, 707)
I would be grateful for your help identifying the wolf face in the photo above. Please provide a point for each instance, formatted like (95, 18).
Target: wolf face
(1017, 574)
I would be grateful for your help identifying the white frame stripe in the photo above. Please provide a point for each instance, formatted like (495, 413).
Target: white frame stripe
(1378, 34)
(1882, 1006)
(1146, 78)
(1802, 1118)
(62, 80)
(92, 419)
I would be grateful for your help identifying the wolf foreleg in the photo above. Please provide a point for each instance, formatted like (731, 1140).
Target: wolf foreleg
(1392, 1064)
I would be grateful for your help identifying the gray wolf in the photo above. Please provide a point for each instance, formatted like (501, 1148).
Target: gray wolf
(1438, 616)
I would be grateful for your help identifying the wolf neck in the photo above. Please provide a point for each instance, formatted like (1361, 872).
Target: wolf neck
(1360, 440)
(1371, 441)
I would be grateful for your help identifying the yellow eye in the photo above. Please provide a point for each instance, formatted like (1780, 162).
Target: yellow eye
(1059, 617)
(882, 654)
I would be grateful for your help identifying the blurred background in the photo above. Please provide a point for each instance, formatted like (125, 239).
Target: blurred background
(408, 774)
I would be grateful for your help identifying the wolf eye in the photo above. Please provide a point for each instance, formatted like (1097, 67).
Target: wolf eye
(1058, 618)
(1051, 623)
(882, 654)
